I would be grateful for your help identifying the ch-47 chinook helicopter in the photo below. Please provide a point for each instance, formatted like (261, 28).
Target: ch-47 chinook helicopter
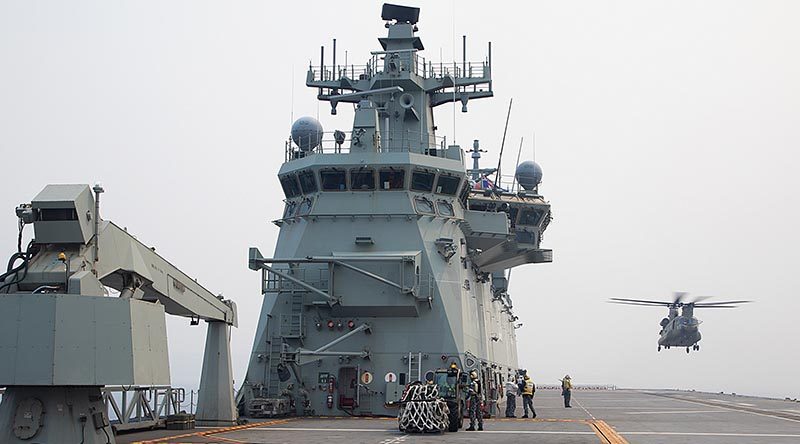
(679, 330)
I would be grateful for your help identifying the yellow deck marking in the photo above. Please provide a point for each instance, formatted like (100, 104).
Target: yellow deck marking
(214, 431)
(605, 432)
(229, 440)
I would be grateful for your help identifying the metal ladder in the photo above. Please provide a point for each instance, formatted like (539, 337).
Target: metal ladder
(275, 350)
(414, 367)
(291, 325)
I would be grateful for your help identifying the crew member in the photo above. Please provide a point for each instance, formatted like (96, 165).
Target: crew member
(528, 389)
(511, 398)
(566, 390)
(475, 395)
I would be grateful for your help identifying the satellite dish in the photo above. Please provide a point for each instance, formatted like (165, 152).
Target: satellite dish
(529, 175)
(307, 133)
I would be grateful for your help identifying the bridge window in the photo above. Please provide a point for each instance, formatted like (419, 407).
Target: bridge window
(362, 179)
(531, 217)
(445, 208)
(290, 186)
(392, 179)
(424, 205)
(422, 181)
(305, 206)
(308, 182)
(290, 209)
(333, 180)
(447, 184)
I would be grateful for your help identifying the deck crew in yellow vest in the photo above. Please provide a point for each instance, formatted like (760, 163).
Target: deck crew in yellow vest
(528, 389)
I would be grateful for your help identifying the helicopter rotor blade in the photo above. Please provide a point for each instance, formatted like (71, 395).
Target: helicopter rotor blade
(700, 298)
(639, 301)
(713, 304)
(679, 295)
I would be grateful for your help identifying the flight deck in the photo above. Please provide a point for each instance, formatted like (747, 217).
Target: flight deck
(605, 416)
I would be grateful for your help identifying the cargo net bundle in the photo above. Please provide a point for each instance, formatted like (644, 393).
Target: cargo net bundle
(422, 410)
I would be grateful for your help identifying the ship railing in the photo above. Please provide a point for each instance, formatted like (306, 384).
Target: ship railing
(473, 70)
(318, 278)
(142, 407)
(419, 65)
(338, 72)
(392, 141)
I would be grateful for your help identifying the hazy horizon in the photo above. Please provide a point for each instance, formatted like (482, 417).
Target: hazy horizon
(668, 134)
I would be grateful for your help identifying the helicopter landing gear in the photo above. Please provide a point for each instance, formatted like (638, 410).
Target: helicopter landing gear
(687, 349)
(659, 348)
(696, 347)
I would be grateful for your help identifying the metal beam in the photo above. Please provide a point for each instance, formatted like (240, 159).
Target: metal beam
(365, 94)
(256, 261)
(360, 328)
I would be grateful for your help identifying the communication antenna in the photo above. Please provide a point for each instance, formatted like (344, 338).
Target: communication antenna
(514, 180)
(291, 110)
(502, 144)
(455, 66)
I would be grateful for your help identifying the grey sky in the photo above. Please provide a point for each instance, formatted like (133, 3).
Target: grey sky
(667, 131)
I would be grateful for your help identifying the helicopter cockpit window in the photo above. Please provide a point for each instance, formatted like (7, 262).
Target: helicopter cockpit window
(392, 179)
(308, 182)
(531, 217)
(422, 181)
(362, 179)
(290, 187)
(333, 180)
(447, 184)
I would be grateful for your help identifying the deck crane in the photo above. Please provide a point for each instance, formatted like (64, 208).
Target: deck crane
(64, 335)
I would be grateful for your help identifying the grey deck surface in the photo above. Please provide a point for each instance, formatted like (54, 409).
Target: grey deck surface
(636, 416)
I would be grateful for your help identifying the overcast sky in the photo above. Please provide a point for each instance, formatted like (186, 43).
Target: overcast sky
(668, 133)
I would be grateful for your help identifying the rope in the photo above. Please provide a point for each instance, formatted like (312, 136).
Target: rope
(422, 410)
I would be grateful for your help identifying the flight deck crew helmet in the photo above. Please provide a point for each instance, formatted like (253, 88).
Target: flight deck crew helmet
(473, 375)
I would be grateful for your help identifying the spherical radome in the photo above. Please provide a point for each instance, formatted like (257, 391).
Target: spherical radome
(529, 174)
(307, 133)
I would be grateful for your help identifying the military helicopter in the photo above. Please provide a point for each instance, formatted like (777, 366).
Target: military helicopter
(679, 330)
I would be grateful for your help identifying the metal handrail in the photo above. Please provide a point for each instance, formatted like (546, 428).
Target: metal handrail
(392, 141)
(419, 65)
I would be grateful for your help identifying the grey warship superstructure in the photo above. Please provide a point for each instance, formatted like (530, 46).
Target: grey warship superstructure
(392, 257)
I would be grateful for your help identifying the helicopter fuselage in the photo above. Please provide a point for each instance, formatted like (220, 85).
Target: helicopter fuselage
(679, 331)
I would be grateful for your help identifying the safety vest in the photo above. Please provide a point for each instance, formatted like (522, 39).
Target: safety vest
(566, 384)
(529, 387)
